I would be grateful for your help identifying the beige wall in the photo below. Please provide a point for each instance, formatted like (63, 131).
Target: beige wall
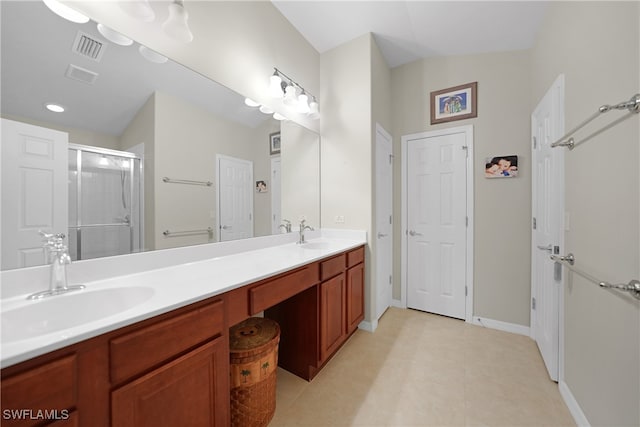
(596, 45)
(346, 129)
(502, 207)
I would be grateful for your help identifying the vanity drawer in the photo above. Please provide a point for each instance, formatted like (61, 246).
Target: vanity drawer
(137, 351)
(332, 267)
(355, 257)
(48, 387)
(276, 290)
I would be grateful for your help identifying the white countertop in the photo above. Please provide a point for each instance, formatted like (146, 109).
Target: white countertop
(170, 288)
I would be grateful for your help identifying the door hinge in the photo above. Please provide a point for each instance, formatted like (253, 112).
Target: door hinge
(466, 150)
(466, 221)
(390, 220)
(390, 280)
(390, 159)
(535, 143)
(533, 303)
(466, 291)
(535, 223)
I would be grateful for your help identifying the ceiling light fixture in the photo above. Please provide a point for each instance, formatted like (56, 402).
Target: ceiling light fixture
(151, 55)
(66, 12)
(176, 25)
(56, 108)
(139, 9)
(284, 87)
(114, 36)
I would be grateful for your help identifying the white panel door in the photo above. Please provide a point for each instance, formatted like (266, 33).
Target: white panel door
(548, 207)
(384, 221)
(235, 198)
(276, 195)
(34, 190)
(436, 219)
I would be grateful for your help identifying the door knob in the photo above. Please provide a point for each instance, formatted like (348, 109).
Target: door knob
(226, 227)
(414, 233)
(381, 235)
(548, 248)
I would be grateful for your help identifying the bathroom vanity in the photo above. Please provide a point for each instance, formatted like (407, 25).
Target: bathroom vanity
(173, 368)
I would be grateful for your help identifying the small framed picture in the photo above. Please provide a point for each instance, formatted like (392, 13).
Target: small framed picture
(501, 167)
(454, 103)
(274, 143)
(261, 187)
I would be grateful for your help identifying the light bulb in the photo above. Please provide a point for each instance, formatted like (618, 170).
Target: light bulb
(114, 36)
(275, 86)
(151, 55)
(176, 25)
(313, 109)
(66, 12)
(290, 97)
(266, 110)
(278, 116)
(251, 103)
(303, 103)
(56, 108)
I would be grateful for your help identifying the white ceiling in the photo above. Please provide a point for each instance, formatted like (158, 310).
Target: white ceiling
(406, 31)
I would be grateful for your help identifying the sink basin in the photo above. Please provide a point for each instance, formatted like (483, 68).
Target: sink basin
(315, 245)
(61, 312)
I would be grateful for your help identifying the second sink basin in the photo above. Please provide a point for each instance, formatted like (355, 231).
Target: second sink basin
(315, 245)
(61, 312)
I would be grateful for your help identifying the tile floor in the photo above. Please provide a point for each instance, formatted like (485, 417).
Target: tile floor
(420, 369)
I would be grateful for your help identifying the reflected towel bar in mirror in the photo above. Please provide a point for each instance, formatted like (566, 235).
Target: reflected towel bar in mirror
(187, 181)
(168, 233)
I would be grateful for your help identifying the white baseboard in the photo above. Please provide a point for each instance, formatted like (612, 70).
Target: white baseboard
(397, 303)
(572, 404)
(368, 326)
(501, 326)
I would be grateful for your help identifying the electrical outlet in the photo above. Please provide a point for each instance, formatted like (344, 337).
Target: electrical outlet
(339, 219)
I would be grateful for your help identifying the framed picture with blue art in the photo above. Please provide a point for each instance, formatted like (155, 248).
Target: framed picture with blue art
(454, 103)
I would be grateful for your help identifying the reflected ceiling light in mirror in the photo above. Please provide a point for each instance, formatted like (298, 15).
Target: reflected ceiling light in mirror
(266, 110)
(56, 108)
(176, 24)
(66, 12)
(114, 36)
(151, 55)
(251, 103)
(278, 116)
(139, 9)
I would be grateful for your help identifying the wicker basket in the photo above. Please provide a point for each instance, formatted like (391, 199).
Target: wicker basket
(253, 348)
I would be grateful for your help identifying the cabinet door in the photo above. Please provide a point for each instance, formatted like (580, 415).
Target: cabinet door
(332, 315)
(355, 297)
(193, 390)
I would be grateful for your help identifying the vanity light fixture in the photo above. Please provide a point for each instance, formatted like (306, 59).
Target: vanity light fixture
(176, 25)
(140, 9)
(251, 103)
(281, 85)
(266, 110)
(66, 12)
(278, 117)
(56, 108)
(114, 36)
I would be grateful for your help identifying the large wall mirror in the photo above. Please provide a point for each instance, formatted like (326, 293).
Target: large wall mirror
(147, 154)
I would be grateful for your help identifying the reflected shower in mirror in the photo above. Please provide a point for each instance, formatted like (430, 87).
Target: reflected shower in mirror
(119, 106)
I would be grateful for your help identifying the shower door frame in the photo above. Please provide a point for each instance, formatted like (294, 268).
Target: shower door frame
(79, 222)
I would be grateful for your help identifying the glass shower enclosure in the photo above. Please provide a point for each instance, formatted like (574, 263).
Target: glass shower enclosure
(105, 202)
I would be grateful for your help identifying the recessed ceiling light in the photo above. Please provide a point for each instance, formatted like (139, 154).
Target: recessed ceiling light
(151, 55)
(56, 108)
(114, 36)
(251, 103)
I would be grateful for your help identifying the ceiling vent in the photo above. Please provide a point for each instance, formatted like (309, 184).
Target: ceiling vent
(80, 74)
(89, 46)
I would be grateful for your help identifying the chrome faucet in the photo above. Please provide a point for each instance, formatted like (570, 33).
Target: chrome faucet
(57, 255)
(302, 228)
(286, 225)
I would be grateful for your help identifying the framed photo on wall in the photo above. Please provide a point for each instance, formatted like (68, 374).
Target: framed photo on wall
(454, 103)
(501, 167)
(274, 143)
